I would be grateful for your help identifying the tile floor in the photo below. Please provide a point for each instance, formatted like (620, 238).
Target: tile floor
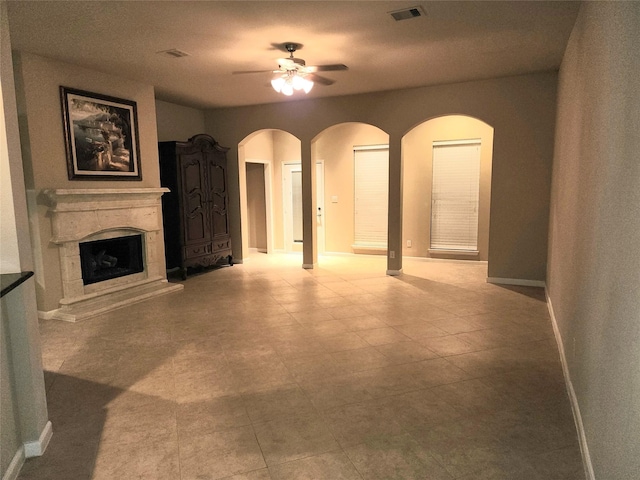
(268, 371)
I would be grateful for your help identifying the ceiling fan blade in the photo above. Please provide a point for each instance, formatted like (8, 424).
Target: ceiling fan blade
(241, 72)
(327, 68)
(318, 79)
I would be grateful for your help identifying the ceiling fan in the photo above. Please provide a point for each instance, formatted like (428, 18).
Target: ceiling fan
(294, 74)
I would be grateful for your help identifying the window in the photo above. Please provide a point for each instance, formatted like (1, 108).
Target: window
(455, 195)
(371, 176)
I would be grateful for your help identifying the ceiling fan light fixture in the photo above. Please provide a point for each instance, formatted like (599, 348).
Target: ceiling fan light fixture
(291, 81)
(287, 89)
(278, 82)
(308, 85)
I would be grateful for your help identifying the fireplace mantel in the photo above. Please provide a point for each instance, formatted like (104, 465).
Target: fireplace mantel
(80, 215)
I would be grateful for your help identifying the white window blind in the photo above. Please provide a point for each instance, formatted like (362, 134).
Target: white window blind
(455, 196)
(371, 174)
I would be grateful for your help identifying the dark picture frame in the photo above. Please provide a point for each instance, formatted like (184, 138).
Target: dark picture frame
(101, 136)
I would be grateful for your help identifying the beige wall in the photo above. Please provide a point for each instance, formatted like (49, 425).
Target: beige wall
(23, 408)
(256, 207)
(417, 147)
(38, 80)
(177, 123)
(593, 273)
(521, 110)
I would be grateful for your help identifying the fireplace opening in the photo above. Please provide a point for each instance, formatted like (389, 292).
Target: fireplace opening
(102, 260)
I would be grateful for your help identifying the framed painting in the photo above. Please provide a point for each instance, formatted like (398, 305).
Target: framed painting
(101, 136)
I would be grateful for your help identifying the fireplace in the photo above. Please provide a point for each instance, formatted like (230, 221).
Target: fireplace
(110, 249)
(102, 260)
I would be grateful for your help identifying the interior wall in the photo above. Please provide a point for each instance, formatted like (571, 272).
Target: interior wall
(520, 108)
(594, 239)
(10, 438)
(178, 123)
(23, 408)
(334, 146)
(256, 207)
(38, 81)
(417, 148)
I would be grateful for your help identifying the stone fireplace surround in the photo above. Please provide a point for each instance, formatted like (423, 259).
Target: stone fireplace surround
(81, 215)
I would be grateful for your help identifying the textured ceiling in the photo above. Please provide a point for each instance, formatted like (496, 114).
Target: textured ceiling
(453, 42)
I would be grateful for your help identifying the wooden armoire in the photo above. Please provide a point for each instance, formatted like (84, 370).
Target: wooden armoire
(195, 211)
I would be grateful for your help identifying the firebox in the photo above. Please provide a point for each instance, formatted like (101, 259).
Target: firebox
(102, 260)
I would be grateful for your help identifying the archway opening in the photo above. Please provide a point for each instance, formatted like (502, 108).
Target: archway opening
(262, 156)
(343, 152)
(447, 164)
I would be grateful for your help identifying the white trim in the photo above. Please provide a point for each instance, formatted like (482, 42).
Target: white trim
(360, 148)
(575, 407)
(448, 260)
(309, 266)
(516, 281)
(13, 470)
(37, 448)
(470, 141)
(394, 273)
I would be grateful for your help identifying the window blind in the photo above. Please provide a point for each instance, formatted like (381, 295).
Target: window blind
(455, 196)
(371, 175)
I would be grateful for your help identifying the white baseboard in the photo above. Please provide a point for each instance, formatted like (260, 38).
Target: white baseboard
(37, 448)
(575, 407)
(516, 281)
(309, 266)
(13, 470)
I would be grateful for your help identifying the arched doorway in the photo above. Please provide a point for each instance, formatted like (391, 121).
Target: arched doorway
(261, 156)
(442, 159)
(334, 148)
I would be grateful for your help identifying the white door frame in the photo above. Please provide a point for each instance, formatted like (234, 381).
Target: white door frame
(287, 168)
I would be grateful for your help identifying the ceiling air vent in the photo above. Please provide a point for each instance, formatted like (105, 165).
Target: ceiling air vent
(174, 53)
(407, 13)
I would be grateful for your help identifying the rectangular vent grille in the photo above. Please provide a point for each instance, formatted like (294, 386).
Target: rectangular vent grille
(174, 53)
(407, 13)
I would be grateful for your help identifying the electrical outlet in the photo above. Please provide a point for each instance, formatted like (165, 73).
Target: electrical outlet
(408, 243)
(392, 254)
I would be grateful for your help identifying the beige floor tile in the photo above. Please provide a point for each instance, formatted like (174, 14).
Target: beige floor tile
(397, 458)
(405, 352)
(262, 474)
(212, 415)
(447, 345)
(360, 359)
(220, 454)
(361, 423)
(335, 391)
(280, 401)
(331, 465)
(363, 322)
(287, 439)
(146, 461)
(382, 336)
